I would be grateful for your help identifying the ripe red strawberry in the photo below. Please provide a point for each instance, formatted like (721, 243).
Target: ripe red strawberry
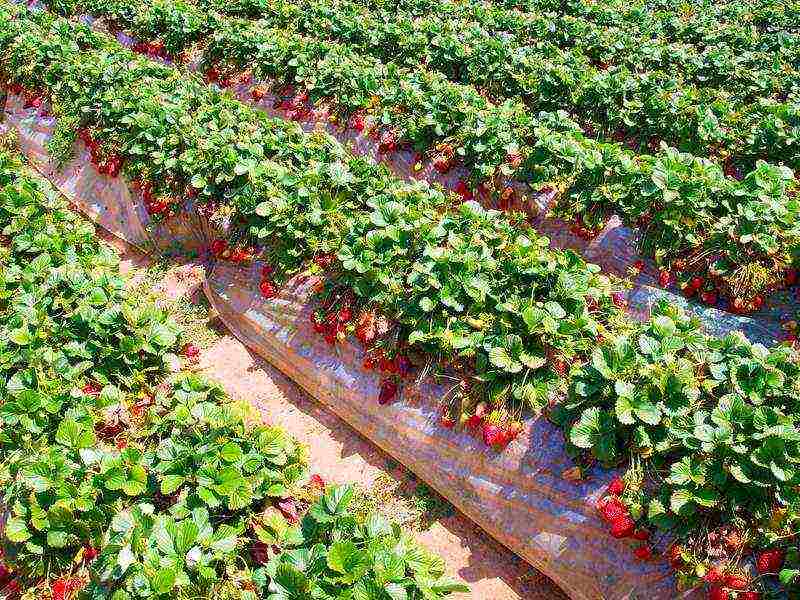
(617, 486)
(714, 575)
(317, 481)
(344, 315)
(751, 595)
(674, 556)
(618, 298)
(267, 289)
(641, 534)
(718, 593)
(492, 434)
(218, 247)
(612, 509)
(447, 421)
(736, 582)
(758, 302)
(91, 389)
(791, 277)
(474, 421)
(638, 266)
(709, 297)
(387, 393)
(90, 553)
(696, 283)
(267, 270)
(643, 552)
(463, 191)
(319, 327)
(622, 527)
(191, 351)
(259, 552)
(769, 561)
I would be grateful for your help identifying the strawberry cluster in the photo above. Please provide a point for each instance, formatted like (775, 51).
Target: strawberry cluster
(107, 163)
(617, 515)
(153, 49)
(494, 428)
(221, 250)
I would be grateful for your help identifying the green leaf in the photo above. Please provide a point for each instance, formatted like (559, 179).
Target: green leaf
(17, 531)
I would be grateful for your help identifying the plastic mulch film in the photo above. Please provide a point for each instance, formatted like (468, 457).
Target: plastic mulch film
(519, 496)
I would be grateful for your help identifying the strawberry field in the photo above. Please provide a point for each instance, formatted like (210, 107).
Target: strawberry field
(682, 123)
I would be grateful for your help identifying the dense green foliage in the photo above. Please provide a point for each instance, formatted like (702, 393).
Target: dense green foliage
(539, 97)
(104, 454)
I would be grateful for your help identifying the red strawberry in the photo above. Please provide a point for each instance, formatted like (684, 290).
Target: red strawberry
(736, 582)
(643, 552)
(758, 302)
(463, 191)
(622, 527)
(266, 271)
(713, 575)
(709, 297)
(218, 247)
(91, 389)
(267, 289)
(474, 421)
(447, 421)
(59, 589)
(317, 481)
(674, 557)
(387, 393)
(492, 434)
(638, 266)
(718, 593)
(612, 509)
(513, 430)
(344, 315)
(617, 486)
(791, 277)
(641, 534)
(769, 561)
(751, 595)
(696, 283)
(618, 298)
(191, 351)
(89, 553)
(259, 552)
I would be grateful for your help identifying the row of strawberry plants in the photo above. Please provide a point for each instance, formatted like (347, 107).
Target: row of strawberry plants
(404, 227)
(628, 105)
(490, 46)
(514, 311)
(125, 483)
(709, 432)
(738, 239)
